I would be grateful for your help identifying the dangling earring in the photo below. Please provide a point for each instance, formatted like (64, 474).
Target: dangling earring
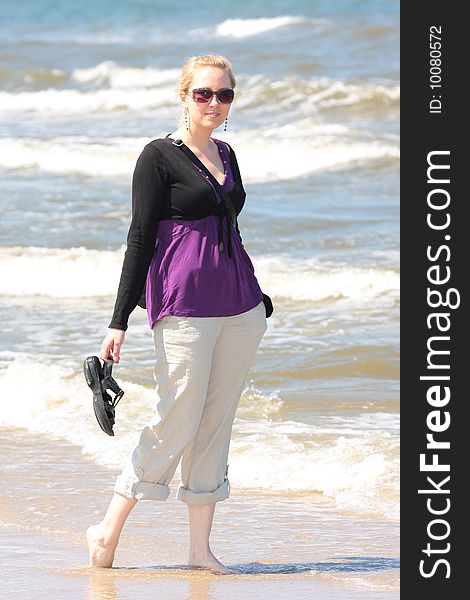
(186, 119)
(225, 126)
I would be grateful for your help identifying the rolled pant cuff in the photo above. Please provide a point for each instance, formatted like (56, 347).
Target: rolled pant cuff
(189, 497)
(141, 490)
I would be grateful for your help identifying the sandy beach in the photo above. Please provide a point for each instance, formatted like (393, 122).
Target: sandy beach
(284, 546)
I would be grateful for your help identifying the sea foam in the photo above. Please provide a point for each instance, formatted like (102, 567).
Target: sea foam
(111, 74)
(81, 273)
(239, 28)
(357, 466)
(110, 87)
(280, 153)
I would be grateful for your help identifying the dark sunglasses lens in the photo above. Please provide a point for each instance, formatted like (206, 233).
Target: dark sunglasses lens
(225, 96)
(202, 95)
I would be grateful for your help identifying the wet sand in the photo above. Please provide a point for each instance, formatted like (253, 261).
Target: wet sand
(289, 546)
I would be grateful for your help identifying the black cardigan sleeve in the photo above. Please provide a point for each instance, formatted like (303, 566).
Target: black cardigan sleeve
(149, 188)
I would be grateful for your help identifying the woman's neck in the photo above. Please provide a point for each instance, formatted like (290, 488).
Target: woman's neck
(195, 138)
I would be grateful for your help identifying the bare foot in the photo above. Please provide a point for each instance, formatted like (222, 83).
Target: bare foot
(209, 562)
(101, 552)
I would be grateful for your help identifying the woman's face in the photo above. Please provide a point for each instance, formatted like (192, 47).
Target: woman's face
(210, 114)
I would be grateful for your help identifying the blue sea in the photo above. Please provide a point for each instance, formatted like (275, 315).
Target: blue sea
(315, 125)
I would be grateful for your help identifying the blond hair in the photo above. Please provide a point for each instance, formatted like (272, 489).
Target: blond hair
(196, 62)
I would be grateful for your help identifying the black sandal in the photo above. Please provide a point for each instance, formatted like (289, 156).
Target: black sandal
(99, 378)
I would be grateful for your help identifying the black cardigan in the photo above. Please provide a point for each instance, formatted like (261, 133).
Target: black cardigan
(165, 185)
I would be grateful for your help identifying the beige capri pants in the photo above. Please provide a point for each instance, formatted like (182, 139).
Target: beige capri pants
(200, 372)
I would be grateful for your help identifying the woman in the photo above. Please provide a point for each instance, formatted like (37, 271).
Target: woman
(204, 306)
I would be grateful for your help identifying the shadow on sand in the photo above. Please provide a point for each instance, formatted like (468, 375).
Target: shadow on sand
(351, 564)
(104, 584)
(348, 564)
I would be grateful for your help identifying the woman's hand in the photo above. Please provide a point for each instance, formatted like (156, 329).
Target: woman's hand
(112, 344)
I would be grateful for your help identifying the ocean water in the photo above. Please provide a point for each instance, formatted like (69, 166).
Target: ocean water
(315, 124)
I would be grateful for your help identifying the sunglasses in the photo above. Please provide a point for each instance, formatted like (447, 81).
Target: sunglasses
(204, 95)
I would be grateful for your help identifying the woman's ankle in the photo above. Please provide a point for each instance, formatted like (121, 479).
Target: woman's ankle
(106, 534)
(197, 549)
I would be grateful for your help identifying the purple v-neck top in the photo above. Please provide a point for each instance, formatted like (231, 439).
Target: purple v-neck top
(189, 276)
